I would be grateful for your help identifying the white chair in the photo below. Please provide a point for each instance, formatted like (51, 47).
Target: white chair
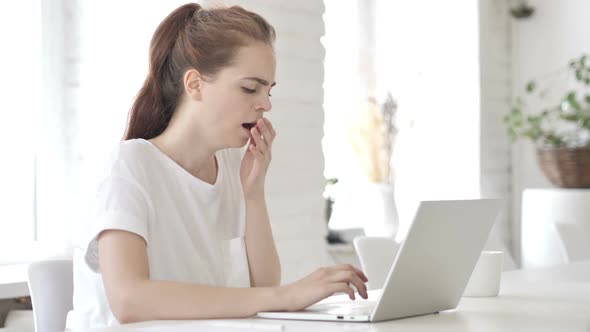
(51, 287)
(376, 255)
(555, 226)
(574, 241)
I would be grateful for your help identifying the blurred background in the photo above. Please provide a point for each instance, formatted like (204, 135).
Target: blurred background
(379, 105)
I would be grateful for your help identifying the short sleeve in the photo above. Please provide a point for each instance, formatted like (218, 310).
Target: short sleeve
(120, 204)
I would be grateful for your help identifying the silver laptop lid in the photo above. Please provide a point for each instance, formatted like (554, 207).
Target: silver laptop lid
(437, 257)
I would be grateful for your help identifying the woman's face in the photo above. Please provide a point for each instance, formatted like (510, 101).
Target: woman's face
(239, 95)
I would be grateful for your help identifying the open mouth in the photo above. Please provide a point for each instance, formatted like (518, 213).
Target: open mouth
(249, 125)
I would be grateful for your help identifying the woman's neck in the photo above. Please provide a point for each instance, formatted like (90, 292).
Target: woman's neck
(197, 159)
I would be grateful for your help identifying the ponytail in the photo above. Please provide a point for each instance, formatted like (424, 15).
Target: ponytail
(155, 103)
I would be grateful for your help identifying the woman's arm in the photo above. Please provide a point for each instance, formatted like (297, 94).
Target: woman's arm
(134, 297)
(265, 267)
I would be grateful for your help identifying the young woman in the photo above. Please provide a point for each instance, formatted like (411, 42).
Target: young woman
(181, 229)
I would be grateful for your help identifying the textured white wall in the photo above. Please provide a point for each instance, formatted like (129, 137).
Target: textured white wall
(495, 81)
(541, 44)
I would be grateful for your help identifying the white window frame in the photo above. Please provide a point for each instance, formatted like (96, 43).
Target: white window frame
(44, 127)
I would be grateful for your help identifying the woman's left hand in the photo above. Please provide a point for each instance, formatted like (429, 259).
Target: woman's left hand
(257, 159)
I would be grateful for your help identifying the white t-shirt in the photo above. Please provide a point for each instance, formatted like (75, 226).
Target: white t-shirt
(194, 230)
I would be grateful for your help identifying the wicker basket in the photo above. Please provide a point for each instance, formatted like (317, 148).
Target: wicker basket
(567, 168)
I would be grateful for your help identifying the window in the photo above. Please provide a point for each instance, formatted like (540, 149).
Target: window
(21, 88)
(67, 83)
(341, 86)
(427, 55)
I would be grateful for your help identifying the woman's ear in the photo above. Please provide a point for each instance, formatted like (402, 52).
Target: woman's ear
(193, 84)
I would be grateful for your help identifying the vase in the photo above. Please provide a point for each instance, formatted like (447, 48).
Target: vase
(566, 167)
(380, 217)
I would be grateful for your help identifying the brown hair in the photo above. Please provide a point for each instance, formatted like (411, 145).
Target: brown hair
(190, 37)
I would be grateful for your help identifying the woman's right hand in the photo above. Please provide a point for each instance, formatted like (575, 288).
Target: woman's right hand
(322, 283)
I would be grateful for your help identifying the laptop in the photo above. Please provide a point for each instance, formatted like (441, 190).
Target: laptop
(430, 271)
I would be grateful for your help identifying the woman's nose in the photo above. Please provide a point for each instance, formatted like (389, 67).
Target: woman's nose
(265, 105)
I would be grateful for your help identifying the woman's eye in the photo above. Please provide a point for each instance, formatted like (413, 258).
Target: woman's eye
(246, 90)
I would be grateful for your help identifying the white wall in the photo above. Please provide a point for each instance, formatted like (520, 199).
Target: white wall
(495, 75)
(295, 182)
(556, 33)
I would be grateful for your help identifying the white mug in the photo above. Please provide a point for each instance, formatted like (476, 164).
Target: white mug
(485, 279)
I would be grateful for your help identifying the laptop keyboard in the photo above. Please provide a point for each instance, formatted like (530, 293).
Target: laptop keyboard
(344, 308)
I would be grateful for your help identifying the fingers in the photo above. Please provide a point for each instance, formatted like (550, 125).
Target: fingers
(341, 287)
(350, 267)
(272, 131)
(259, 147)
(345, 273)
(263, 135)
(350, 277)
(259, 141)
(265, 128)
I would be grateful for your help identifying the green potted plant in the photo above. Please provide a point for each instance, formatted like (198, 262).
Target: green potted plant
(561, 129)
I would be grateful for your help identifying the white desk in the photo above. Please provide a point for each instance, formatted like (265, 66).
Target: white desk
(13, 281)
(554, 299)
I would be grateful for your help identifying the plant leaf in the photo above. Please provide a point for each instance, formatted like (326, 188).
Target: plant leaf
(587, 98)
(530, 86)
(515, 110)
(331, 181)
(571, 99)
(568, 117)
